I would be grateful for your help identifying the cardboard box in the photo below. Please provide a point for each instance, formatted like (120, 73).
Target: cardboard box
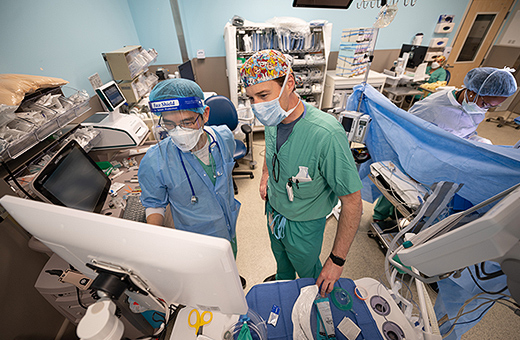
(123, 63)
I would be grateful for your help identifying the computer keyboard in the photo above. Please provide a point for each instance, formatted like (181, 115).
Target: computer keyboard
(134, 210)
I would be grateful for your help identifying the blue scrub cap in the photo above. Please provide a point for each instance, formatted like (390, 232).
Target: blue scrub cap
(178, 88)
(490, 81)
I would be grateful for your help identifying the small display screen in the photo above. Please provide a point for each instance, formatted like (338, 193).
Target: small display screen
(113, 95)
(74, 180)
(186, 71)
(347, 123)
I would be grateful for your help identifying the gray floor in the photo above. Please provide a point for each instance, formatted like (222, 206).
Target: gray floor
(255, 260)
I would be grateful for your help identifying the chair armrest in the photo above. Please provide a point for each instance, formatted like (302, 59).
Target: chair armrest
(246, 129)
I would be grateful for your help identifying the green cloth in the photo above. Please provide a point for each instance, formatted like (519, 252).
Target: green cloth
(318, 142)
(383, 209)
(299, 250)
(245, 333)
(234, 246)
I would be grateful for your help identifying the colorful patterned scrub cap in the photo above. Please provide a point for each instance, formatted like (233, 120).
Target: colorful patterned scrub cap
(441, 59)
(263, 66)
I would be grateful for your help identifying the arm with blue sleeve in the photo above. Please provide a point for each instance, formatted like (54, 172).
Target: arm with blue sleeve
(154, 194)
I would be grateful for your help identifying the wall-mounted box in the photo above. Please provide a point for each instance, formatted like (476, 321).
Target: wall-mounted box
(124, 63)
(438, 42)
(445, 27)
(431, 55)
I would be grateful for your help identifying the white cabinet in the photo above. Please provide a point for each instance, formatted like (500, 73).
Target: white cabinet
(337, 87)
(310, 55)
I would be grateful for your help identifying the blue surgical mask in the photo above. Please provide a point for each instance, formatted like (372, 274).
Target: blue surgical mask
(471, 107)
(271, 113)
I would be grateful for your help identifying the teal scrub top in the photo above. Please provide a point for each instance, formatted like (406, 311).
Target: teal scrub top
(318, 142)
(437, 75)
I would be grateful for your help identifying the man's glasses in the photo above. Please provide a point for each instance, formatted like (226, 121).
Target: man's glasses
(188, 123)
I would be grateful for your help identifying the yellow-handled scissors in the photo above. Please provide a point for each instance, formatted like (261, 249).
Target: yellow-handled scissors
(200, 321)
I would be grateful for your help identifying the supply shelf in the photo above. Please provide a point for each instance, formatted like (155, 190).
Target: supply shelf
(34, 121)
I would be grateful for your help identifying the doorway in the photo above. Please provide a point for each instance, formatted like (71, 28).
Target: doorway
(482, 22)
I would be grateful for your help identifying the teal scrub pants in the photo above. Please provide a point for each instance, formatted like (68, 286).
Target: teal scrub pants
(298, 252)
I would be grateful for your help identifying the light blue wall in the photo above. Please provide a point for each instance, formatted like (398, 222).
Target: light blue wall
(63, 38)
(155, 27)
(204, 20)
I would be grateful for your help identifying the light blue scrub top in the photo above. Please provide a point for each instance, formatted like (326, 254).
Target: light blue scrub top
(163, 181)
(442, 109)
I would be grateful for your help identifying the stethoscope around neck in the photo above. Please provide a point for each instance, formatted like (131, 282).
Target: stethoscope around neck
(194, 198)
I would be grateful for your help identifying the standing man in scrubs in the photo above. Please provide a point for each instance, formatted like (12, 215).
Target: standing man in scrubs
(308, 165)
(191, 169)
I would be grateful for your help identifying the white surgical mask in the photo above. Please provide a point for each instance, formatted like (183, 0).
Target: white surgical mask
(185, 139)
(271, 113)
(435, 65)
(471, 107)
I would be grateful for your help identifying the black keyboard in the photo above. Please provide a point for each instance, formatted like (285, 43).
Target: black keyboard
(134, 210)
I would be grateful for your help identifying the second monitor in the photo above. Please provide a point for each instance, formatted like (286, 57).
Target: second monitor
(416, 54)
(186, 71)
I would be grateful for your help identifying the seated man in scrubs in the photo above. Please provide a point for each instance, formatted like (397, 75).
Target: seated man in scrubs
(307, 166)
(461, 111)
(191, 169)
(436, 71)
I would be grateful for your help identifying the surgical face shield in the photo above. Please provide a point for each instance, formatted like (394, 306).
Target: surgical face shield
(180, 120)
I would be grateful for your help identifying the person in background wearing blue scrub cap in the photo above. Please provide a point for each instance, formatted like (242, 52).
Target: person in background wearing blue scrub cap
(461, 111)
(190, 169)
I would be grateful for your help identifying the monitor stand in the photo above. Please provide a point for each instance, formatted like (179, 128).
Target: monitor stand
(117, 130)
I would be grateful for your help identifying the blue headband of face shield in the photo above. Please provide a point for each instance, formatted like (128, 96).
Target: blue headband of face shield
(175, 104)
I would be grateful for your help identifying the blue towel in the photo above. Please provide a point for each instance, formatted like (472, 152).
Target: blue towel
(429, 154)
(284, 294)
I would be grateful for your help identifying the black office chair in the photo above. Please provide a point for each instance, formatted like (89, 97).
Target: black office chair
(223, 112)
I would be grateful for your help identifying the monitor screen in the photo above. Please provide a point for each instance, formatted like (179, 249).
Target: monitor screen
(341, 4)
(186, 71)
(111, 96)
(179, 267)
(72, 179)
(416, 54)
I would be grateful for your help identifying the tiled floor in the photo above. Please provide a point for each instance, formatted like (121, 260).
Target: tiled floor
(255, 260)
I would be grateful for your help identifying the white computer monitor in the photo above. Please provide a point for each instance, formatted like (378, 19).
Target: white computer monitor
(179, 267)
(446, 247)
(111, 96)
